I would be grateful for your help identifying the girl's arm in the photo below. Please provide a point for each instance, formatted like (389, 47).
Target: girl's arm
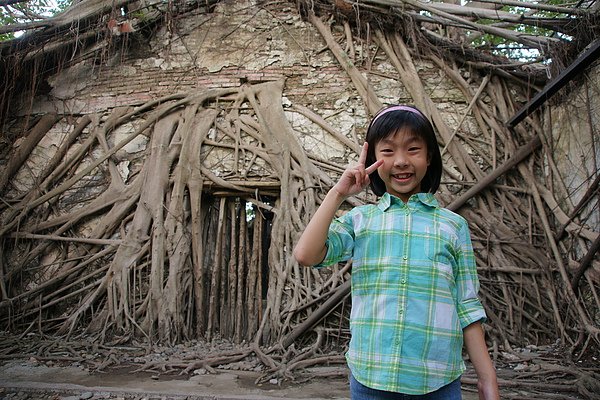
(487, 383)
(310, 249)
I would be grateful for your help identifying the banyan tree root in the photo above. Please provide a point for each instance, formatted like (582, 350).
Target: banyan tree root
(533, 373)
(152, 212)
(548, 378)
(166, 253)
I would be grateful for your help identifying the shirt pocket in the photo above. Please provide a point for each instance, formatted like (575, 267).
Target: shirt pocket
(442, 262)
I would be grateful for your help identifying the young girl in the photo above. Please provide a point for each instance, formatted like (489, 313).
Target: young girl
(414, 279)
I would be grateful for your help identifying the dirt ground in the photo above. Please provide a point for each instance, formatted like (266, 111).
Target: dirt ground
(39, 367)
(28, 379)
(22, 379)
(68, 382)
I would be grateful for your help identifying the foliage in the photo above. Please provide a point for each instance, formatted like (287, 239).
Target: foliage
(29, 11)
(503, 47)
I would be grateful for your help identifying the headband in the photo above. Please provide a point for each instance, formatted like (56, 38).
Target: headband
(399, 108)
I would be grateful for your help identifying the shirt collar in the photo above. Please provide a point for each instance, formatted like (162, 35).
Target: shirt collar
(415, 201)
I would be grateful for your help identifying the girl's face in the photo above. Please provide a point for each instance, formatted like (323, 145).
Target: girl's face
(405, 161)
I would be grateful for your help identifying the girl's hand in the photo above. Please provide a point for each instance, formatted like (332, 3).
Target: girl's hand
(356, 177)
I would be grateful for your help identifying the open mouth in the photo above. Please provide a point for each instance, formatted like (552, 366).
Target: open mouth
(401, 177)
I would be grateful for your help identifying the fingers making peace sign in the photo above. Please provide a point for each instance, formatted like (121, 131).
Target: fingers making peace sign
(356, 177)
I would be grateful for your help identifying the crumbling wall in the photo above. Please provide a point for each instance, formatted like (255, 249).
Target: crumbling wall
(242, 43)
(282, 109)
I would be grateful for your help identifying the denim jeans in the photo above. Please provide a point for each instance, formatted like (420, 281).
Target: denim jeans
(358, 391)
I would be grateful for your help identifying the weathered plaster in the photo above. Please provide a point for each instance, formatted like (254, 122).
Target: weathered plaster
(25, 179)
(242, 42)
(575, 144)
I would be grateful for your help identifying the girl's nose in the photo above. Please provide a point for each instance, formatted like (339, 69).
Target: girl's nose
(400, 161)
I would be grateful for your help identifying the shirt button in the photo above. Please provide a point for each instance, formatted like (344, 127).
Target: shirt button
(403, 281)
(405, 258)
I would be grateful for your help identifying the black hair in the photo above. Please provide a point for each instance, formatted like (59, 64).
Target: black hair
(387, 123)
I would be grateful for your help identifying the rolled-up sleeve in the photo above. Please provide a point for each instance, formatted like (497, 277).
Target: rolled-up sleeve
(340, 241)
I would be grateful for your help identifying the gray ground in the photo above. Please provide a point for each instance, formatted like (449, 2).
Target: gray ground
(22, 379)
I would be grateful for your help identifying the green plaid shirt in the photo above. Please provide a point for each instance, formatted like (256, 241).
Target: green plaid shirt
(414, 288)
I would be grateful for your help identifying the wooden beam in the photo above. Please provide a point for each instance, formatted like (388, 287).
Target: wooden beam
(516, 158)
(590, 55)
(586, 261)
